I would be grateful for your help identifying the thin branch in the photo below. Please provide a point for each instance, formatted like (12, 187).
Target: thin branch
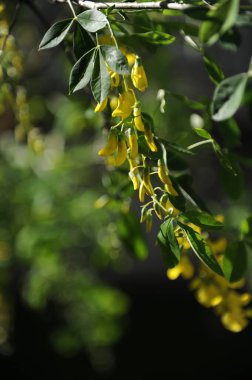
(151, 5)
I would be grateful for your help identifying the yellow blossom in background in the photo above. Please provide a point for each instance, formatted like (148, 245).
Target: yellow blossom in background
(138, 75)
(125, 105)
(184, 269)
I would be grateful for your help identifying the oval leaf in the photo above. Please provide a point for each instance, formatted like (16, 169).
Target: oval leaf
(115, 59)
(168, 243)
(201, 248)
(228, 96)
(92, 20)
(201, 219)
(56, 34)
(234, 261)
(81, 73)
(100, 82)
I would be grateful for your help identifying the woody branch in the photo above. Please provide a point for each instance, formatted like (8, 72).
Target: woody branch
(131, 5)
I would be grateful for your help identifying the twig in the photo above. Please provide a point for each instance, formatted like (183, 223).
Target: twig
(151, 5)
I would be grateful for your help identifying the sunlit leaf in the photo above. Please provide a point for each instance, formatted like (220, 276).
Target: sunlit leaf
(201, 248)
(92, 20)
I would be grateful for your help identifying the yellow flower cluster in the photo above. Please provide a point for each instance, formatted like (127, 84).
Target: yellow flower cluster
(123, 139)
(212, 290)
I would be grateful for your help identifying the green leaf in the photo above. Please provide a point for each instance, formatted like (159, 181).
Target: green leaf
(81, 72)
(202, 133)
(92, 20)
(82, 42)
(168, 243)
(155, 37)
(230, 132)
(220, 19)
(188, 102)
(185, 182)
(228, 96)
(201, 248)
(175, 148)
(223, 158)
(131, 234)
(234, 262)
(100, 82)
(233, 185)
(215, 73)
(115, 59)
(56, 34)
(201, 219)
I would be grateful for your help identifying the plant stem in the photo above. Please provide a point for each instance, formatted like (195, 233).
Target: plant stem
(199, 144)
(71, 7)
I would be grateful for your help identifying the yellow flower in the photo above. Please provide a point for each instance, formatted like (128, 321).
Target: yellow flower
(138, 118)
(147, 182)
(131, 57)
(149, 138)
(133, 144)
(113, 102)
(234, 322)
(138, 75)
(125, 104)
(134, 174)
(141, 192)
(164, 177)
(209, 295)
(111, 145)
(114, 78)
(121, 151)
(184, 268)
(100, 106)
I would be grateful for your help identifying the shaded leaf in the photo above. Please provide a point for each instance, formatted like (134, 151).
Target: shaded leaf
(56, 34)
(220, 19)
(168, 243)
(130, 233)
(100, 82)
(234, 262)
(81, 72)
(82, 42)
(115, 59)
(228, 96)
(215, 73)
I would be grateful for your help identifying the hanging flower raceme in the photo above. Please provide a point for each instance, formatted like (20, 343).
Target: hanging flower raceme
(138, 75)
(125, 105)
